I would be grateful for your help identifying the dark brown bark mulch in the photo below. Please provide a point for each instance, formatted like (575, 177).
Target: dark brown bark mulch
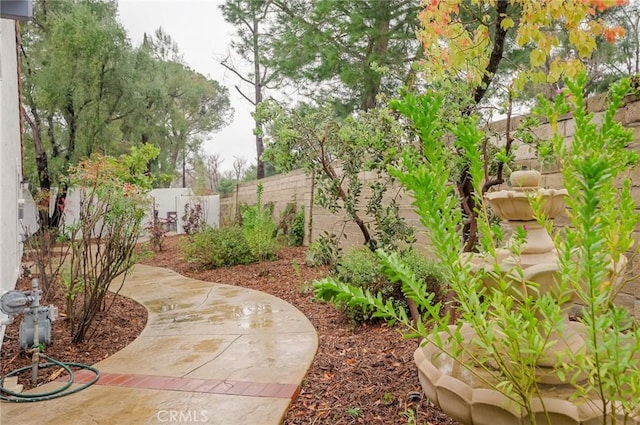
(360, 375)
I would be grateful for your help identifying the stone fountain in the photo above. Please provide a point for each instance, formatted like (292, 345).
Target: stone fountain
(464, 394)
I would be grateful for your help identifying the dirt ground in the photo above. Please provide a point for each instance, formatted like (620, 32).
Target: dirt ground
(360, 375)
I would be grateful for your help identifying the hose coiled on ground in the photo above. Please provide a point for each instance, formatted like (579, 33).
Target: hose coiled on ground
(10, 396)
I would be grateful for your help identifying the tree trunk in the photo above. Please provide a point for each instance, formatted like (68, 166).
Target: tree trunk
(378, 47)
(42, 161)
(72, 126)
(368, 241)
(465, 187)
(258, 94)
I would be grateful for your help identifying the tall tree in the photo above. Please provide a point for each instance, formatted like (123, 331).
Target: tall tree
(252, 21)
(87, 90)
(76, 62)
(212, 164)
(194, 106)
(352, 50)
(239, 166)
(74, 55)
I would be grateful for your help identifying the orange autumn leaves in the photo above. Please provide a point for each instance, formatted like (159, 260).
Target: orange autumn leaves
(462, 47)
(612, 34)
(602, 5)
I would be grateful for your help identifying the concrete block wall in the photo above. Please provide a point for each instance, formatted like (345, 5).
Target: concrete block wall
(280, 190)
(629, 116)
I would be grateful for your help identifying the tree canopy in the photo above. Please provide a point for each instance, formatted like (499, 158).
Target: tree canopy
(348, 51)
(87, 90)
(540, 41)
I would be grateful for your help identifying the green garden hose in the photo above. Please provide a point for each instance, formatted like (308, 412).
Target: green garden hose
(6, 395)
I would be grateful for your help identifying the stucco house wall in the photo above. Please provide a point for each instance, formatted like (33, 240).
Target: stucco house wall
(10, 161)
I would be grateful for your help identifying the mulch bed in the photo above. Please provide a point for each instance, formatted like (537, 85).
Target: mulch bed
(360, 375)
(117, 328)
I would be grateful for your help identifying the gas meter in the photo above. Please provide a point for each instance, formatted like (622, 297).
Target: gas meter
(35, 327)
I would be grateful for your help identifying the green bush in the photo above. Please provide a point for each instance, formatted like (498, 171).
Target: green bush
(324, 251)
(426, 270)
(260, 229)
(362, 268)
(291, 226)
(218, 248)
(296, 232)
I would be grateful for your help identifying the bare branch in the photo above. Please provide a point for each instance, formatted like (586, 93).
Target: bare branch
(230, 68)
(245, 96)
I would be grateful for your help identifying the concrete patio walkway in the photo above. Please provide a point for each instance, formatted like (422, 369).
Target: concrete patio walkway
(209, 354)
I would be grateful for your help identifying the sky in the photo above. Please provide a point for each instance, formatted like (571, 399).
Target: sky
(203, 37)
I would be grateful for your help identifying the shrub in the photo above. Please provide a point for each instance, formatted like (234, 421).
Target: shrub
(156, 232)
(111, 207)
(362, 268)
(286, 218)
(426, 270)
(193, 220)
(291, 225)
(259, 229)
(218, 248)
(324, 251)
(296, 232)
(359, 266)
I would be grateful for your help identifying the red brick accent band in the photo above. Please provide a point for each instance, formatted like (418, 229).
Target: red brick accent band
(209, 386)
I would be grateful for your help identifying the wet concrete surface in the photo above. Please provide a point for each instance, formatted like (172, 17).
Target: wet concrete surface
(213, 336)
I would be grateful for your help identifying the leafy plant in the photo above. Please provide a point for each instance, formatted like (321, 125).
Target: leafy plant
(296, 232)
(222, 247)
(512, 321)
(286, 218)
(354, 412)
(338, 152)
(410, 414)
(323, 251)
(592, 251)
(111, 208)
(305, 287)
(388, 398)
(292, 224)
(193, 219)
(156, 231)
(259, 229)
(361, 268)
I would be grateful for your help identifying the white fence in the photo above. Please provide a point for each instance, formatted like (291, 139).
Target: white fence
(169, 205)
